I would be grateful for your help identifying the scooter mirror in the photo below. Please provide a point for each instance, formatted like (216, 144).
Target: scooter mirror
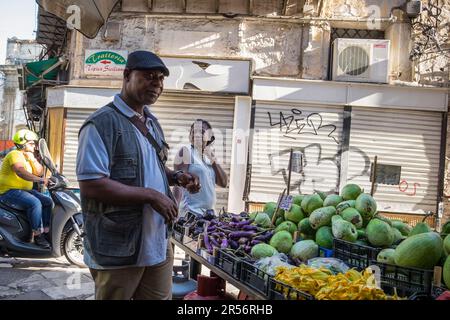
(46, 157)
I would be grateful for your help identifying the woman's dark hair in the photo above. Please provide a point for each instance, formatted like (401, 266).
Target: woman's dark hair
(204, 122)
(209, 127)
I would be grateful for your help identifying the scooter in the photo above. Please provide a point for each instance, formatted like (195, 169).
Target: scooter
(66, 223)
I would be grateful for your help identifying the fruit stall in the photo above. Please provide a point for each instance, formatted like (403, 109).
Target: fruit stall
(321, 247)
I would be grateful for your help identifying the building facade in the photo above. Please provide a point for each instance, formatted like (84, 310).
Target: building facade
(271, 76)
(20, 52)
(12, 116)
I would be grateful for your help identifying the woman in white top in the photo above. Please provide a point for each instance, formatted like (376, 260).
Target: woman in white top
(199, 158)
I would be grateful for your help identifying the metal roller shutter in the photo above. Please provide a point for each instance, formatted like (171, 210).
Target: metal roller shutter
(314, 130)
(74, 120)
(176, 112)
(410, 139)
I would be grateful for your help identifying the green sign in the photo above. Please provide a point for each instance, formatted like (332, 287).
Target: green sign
(105, 62)
(106, 55)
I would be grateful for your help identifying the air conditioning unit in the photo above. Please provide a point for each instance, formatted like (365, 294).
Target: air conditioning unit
(361, 60)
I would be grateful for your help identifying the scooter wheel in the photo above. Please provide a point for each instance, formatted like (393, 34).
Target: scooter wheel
(72, 247)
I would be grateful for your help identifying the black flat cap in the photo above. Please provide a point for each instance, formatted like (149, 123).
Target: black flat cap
(146, 60)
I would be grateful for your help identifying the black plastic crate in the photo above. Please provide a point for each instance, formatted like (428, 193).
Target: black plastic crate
(355, 255)
(408, 282)
(255, 278)
(178, 228)
(281, 291)
(228, 263)
(177, 236)
(437, 291)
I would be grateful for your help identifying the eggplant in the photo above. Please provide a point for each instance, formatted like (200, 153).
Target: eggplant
(232, 225)
(224, 243)
(234, 244)
(255, 242)
(242, 240)
(259, 238)
(235, 219)
(200, 222)
(209, 215)
(215, 234)
(207, 243)
(268, 235)
(214, 242)
(250, 228)
(240, 234)
(243, 223)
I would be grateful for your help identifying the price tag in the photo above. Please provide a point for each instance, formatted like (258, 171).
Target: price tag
(286, 202)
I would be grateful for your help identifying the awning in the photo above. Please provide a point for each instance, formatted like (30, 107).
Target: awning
(39, 71)
(93, 13)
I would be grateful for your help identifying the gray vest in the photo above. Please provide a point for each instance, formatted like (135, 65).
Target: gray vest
(113, 233)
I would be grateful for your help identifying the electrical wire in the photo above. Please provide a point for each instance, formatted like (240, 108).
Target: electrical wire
(429, 38)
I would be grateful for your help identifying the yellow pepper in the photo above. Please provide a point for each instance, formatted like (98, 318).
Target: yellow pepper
(323, 285)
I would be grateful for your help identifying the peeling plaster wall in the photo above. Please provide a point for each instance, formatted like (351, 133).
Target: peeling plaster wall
(359, 8)
(316, 52)
(432, 68)
(274, 47)
(197, 37)
(277, 49)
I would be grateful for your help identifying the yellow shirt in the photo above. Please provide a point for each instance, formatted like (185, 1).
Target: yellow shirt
(8, 178)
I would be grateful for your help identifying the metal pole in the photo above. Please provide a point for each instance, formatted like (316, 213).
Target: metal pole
(290, 172)
(374, 175)
(275, 213)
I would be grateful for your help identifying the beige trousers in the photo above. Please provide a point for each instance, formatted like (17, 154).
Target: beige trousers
(138, 283)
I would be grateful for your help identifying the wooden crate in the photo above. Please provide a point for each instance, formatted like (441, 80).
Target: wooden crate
(254, 207)
(411, 219)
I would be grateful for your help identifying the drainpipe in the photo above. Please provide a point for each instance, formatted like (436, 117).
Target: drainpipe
(292, 19)
(399, 33)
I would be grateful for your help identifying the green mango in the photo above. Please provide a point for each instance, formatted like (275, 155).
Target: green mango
(343, 229)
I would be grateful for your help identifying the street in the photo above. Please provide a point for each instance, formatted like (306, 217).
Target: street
(298, 150)
(44, 279)
(55, 279)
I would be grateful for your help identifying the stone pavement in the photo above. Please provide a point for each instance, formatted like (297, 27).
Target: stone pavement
(53, 279)
(44, 279)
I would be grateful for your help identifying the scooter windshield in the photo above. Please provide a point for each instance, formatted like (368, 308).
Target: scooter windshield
(46, 157)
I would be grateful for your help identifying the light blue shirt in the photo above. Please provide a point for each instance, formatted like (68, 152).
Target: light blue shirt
(93, 163)
(205, 199)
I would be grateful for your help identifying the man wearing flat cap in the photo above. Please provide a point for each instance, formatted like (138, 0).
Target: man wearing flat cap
(127, 204)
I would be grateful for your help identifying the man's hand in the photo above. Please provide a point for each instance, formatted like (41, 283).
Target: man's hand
(190, 182)
(165, 206)
(45, 182)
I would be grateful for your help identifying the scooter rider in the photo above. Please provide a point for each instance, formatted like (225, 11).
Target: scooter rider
(19, 170)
